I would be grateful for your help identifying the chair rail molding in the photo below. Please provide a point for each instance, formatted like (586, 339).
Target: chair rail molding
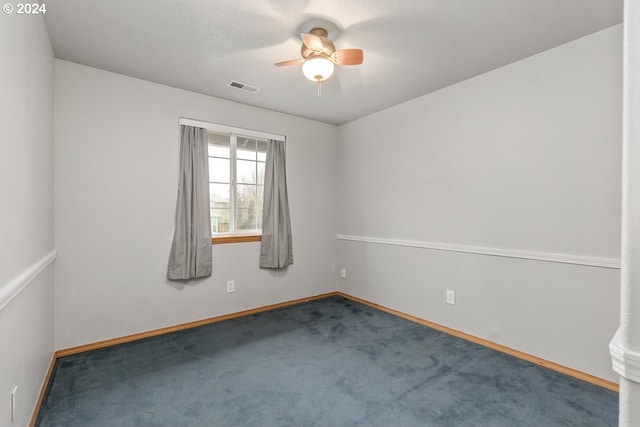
(17, 285)
(500, 252)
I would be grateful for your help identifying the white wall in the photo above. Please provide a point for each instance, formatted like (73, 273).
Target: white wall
(117, 146)
(523, 158)
(26, 217)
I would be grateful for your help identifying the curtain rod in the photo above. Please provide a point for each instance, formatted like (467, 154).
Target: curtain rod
(230, 129)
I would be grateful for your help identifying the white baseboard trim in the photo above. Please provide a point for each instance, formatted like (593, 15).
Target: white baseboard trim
(625, 362)
(13, 289)
(500, 252)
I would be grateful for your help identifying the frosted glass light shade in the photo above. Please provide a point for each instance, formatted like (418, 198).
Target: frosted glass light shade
(317, 69)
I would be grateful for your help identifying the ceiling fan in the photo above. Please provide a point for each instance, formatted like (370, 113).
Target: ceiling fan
(319, 55)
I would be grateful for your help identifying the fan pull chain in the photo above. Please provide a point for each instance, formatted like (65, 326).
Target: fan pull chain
(319, 89)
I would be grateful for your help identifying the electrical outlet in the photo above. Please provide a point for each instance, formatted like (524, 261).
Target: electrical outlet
(451, 296)
(231, 286)
(13, 402)
(343, 273)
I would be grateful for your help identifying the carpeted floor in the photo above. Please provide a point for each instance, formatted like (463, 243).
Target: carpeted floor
(332, 362)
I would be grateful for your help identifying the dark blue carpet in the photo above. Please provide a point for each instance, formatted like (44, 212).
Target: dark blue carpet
(332, 362)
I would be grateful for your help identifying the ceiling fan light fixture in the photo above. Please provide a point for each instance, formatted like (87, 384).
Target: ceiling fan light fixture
(318, 68)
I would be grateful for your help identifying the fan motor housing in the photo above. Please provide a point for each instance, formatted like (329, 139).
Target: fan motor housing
(328, 48)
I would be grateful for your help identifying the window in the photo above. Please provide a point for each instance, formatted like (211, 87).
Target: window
(236, 182)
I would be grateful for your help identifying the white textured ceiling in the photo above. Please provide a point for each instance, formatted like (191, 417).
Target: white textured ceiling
(411, 47)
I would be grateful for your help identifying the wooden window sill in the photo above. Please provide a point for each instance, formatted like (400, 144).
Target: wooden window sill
(235, 239)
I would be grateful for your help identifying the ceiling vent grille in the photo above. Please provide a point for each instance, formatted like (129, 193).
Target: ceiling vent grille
(243, 86)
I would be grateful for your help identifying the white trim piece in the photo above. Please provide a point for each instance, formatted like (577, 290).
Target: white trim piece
(625, 362)
(230, 129)
(13, 289)
(501, 252)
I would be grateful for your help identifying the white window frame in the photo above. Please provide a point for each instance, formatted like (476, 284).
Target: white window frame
(233, 196)
(233, 133)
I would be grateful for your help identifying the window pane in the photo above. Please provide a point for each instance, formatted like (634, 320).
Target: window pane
(220, 220)
(220, 195)
(246, 219)
(259, 218)
(246, 155)
(259, 196)
(262, 150)
(260, 173)
(219, 169)
(246, 148)
(216, 151)
(250, 157)
(218, 145)
(247, 196)
(246, 171)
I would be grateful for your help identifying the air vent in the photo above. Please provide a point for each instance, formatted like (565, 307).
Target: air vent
(242, 86)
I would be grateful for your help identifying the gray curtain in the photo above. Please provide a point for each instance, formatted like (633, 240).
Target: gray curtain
(190, 256)
(276, 249)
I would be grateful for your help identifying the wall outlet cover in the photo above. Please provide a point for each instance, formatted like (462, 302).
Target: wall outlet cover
(451, 296)
(231, 286)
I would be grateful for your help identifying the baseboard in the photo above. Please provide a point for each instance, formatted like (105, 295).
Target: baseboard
(468, 337)
(43, 391)
(183, 326)
(492, 345)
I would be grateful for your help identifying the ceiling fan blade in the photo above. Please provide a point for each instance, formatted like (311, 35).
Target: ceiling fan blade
(312, 41)
(349, 56)
(286, 63)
